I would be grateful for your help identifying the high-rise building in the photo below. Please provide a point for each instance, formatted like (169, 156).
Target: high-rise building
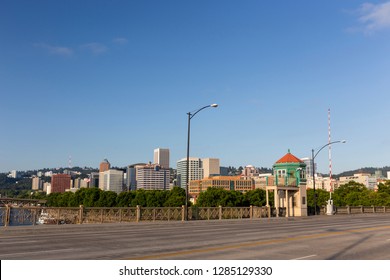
(60, 182)
(111, 180)
(14, 174)
(152, 177)
(309, 166)
(47, 187)
(37, 183)
(131, 177)
(161, 157)
(104, 165)
(93, 180)
(195, 170)
(79, 183)
(210, 167)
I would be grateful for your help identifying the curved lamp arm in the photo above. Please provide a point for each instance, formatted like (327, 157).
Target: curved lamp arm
(192, 115)
(340, 141)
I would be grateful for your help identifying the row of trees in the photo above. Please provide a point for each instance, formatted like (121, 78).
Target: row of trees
(95, 197)
(352, 194)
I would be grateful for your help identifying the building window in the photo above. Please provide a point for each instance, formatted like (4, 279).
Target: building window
(281, 173)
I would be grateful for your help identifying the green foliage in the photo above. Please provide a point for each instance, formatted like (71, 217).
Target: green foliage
(94, 197)
(11, 187)
(124, 199)
(175, 198)
(256, 197)
(322, 196)
(384, 187)
(351, 194)
(107, 199)
(214, 197)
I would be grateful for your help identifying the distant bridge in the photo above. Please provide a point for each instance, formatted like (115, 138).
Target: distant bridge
(21, 201)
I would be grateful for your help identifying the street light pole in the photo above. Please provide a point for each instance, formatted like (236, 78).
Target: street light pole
(190, 116)
(313, 156)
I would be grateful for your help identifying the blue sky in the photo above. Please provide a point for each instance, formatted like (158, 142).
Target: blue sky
(115, 79)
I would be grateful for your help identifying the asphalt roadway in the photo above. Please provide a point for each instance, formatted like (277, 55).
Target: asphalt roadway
(351, 237)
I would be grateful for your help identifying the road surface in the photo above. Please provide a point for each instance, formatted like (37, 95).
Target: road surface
(352, 237)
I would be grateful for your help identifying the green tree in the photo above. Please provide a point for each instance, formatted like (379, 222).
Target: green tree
(124, 199)
(79, 197)
(140, 198)
(91, 197)
(322, 196)
(349, 193)
(155, 198)
(53, 200)
(175, 197)
(384, 187)
(107, 199)
(214, 197)
(66, 199)
(255, 197)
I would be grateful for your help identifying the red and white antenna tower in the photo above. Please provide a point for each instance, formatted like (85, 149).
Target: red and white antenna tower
(330, 156)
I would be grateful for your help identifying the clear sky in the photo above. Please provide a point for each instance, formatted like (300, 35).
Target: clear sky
(115, 79)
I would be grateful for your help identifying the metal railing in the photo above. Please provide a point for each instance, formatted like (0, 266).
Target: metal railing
(31, 215)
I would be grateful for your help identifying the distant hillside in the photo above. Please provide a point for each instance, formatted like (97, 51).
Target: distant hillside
(370, 170)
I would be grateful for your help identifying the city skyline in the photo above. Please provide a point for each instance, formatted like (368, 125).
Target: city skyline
(96, 79)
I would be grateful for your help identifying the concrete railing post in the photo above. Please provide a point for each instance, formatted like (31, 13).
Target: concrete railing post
(81, 214)
(7, 215)
(138, 214)
(348, 210)
(34, 216)
(251, 212)
(220, 212)
(362, 209)
(58, 215)
(183, 213)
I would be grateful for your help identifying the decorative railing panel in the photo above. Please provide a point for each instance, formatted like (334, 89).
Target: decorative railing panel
(160, 213)
(129, 214)
(3, 216)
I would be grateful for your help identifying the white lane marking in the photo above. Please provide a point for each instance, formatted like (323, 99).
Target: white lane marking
(306, 257)
(2, 242)
(39, 252)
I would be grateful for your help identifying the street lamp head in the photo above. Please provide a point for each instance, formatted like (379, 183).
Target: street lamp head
(214, 105)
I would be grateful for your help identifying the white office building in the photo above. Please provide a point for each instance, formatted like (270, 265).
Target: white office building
(210, 167)
(196, 171)
(161, 157)
(152, 177)
(111, 180)
(37, 184)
